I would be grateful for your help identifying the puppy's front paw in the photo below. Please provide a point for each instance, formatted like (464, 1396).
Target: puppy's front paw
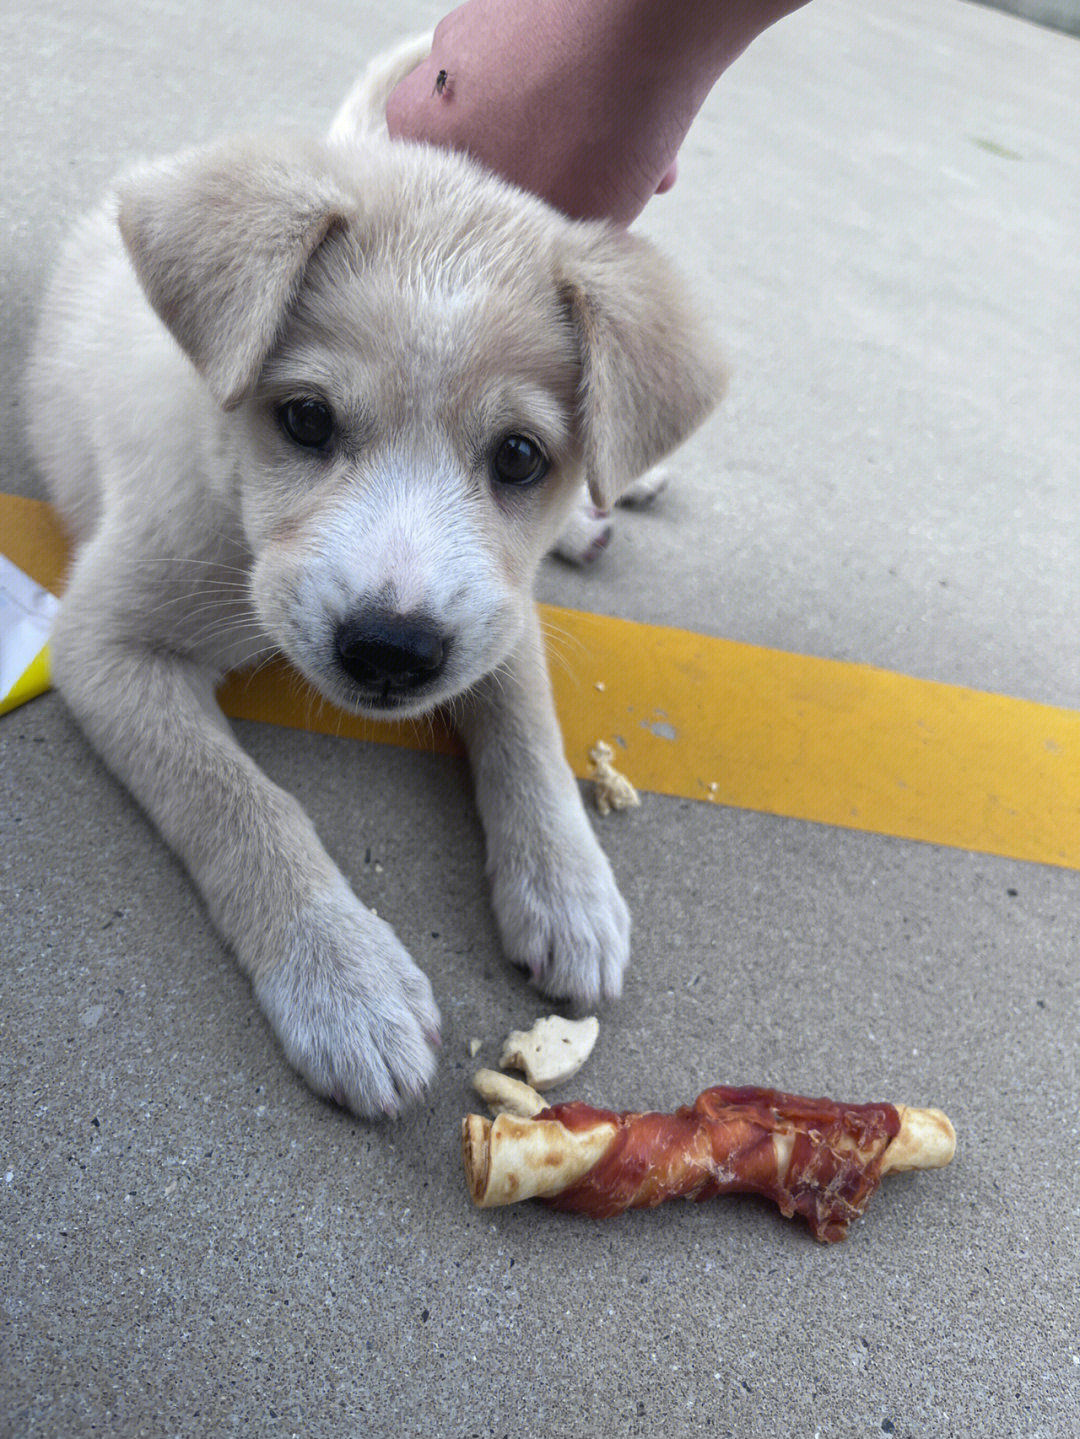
(561, 916)
(354, 1014)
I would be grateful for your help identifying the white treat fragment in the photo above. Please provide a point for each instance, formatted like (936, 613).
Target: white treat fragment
(474, 1048)
(504, 1095)
(611, 790)
(552, 1050)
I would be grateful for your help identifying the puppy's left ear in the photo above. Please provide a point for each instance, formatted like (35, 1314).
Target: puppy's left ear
(651, 370)
(220, 238)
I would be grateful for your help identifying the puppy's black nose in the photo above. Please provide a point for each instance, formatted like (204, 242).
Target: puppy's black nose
(390, 654)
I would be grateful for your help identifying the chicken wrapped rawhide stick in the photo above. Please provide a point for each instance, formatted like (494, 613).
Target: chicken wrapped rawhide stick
(812, 1157)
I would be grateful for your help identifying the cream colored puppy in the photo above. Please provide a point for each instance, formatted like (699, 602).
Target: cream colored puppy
(337, 399)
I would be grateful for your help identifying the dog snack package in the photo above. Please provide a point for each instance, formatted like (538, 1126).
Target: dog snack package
(26, 616)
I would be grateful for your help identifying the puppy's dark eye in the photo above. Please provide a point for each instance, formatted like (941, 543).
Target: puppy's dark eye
(519, 460)
(307, 422)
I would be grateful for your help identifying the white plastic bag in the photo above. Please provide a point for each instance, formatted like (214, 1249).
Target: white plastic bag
(26, 615)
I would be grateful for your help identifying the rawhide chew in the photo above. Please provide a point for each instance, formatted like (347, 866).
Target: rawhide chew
(812, 1157)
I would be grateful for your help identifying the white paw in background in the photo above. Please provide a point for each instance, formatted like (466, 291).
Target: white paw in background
(588, 531)
(354, 1014)
(646, 488)
(585, 535)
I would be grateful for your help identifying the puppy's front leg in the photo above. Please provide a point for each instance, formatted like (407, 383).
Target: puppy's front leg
(557, 906)
(354, 1014)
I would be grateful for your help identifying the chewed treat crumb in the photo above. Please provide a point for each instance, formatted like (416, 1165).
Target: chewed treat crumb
(552, 1051)
(507, 1096)
(611, 790)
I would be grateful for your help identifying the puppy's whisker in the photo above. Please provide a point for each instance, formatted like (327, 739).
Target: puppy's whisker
(557, 642)
(555, 636)
(499, 674)
(429, 727)
(268, 654)
(302, 692)
(181, 600)
(192, 560)
(315, 705)
(452, 712)
(550, 626)
(558, 661)
(423, 731)
(216, 612)
(219, 636)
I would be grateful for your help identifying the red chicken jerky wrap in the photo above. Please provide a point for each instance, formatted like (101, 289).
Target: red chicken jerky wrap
(811, 1157)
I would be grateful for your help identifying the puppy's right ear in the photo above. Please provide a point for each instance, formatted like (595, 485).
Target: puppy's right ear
(220, 238)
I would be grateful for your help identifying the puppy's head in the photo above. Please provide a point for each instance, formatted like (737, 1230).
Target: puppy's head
(416, 365)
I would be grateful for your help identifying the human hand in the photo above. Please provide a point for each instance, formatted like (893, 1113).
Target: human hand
(590, 128)
(584, 105)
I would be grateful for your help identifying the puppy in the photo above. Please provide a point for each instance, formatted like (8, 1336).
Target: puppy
(337, 399)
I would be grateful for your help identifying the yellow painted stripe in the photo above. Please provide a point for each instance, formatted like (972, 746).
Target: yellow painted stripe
(727, 723)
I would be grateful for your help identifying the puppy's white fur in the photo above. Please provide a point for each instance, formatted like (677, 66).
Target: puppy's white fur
(434, 310)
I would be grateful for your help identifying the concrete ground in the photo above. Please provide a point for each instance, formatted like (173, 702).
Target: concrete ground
(882, 199)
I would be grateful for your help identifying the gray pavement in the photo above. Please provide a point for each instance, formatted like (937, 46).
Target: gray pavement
(882, 201)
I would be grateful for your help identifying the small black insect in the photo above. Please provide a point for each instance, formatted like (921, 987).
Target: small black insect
(442, 83)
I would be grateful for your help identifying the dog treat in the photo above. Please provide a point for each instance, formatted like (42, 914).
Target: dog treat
(811, 1157)
(504, 1095)
(611, 790)
(552, 1051)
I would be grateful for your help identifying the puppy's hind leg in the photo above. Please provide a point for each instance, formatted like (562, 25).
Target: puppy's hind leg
(353, 1012)
(588, 531)
(646, 489)
(585, 535)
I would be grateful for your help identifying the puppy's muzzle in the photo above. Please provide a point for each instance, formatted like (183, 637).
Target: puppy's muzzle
(390, 656)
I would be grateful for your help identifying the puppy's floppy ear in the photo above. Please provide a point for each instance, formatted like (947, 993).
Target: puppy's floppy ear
(220, 238)
(650, 368)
